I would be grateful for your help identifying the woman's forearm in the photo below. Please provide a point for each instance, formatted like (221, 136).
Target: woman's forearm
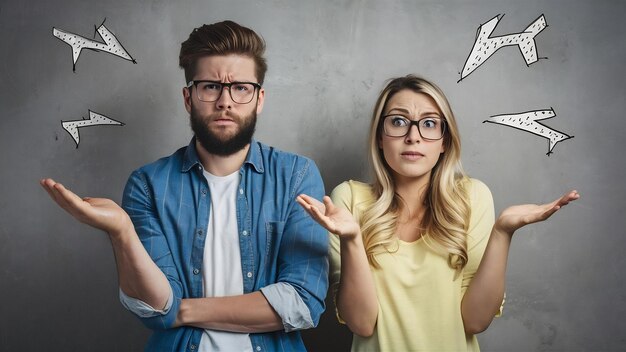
(357, 302)
(484, 295)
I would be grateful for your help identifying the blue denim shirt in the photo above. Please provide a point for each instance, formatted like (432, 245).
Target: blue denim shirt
(281, 246)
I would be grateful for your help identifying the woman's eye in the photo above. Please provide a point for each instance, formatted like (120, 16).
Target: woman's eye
(429, 123)
(398, 121)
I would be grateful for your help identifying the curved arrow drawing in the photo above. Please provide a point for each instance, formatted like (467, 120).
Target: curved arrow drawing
(527, 121)
(94, 119)
(111, 45)
(485, 45)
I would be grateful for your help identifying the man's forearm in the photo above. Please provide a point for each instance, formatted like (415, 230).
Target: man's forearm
(248, 313)
(139, 276)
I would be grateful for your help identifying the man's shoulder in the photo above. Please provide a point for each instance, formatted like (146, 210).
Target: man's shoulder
(277, 152)
(275, 157)
(165, 164)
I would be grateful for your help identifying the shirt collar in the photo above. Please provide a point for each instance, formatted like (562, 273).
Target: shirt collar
(254, 158)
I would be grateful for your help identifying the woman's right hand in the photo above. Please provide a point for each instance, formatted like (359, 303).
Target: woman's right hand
(335, 219)
(101, 213)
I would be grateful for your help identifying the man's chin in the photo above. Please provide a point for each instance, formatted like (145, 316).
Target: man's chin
(222, 146)
(226, 139)
(223, 137)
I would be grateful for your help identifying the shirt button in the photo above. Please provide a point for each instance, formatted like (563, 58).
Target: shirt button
(241, 191)
(249, 274)
(203, 191)
(196, 271)
(245, 233)
(199, 232)
(193, 347)
(258, 348)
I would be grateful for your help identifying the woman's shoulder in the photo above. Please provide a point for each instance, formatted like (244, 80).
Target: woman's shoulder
(482, 213)
(477, 190)
(354, 188)
(353, 193)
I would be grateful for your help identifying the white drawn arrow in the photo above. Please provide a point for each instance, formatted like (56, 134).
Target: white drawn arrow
(485, 45)
(527, 121)
(78, 43)
(94, 119)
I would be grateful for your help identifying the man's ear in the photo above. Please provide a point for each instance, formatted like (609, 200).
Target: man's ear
(187, 98)
(260, 101)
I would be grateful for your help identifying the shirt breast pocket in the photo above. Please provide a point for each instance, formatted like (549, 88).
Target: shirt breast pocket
(273, 235)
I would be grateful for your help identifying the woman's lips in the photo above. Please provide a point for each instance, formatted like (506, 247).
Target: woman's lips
(412, 155)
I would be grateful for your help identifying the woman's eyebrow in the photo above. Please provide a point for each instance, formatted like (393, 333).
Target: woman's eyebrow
(402, 110)
(407, 112)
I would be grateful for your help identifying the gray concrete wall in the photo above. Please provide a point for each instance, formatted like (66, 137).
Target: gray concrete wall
(328, 60)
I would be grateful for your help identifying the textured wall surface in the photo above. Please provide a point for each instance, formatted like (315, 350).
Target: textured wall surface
(327, 62)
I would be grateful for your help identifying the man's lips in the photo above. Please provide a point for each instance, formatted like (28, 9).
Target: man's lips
(222, 121)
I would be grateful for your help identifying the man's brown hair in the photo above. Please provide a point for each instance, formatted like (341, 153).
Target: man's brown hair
(222, 38)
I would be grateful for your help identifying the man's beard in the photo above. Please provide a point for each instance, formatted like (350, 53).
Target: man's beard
(218, 145)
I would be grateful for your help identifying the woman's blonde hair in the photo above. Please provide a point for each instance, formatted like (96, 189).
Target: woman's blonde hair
(447, 213)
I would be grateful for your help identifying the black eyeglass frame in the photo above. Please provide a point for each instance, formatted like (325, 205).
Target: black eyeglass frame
(223, 85)
(416, 123)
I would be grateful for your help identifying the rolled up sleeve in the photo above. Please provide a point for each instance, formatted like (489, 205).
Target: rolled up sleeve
(289, 306)
(143, 309)
(298, 296)
(139, 205)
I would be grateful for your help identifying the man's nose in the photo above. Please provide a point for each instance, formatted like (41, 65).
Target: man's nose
(224, 101)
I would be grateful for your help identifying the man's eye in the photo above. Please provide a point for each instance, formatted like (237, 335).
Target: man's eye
(211, 86)
(241, 87)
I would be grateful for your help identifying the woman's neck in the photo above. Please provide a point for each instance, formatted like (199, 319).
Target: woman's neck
(412, 207)
(413, 192)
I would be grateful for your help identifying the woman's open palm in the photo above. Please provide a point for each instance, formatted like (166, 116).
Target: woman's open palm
(335, 219)
(517, 216)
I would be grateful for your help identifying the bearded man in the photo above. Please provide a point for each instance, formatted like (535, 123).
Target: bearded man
(213, 252)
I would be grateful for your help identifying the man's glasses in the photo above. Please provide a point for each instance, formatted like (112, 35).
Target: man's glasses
(429, 128)
(210, 91)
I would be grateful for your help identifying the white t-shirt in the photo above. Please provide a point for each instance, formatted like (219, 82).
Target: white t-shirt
(222, 259)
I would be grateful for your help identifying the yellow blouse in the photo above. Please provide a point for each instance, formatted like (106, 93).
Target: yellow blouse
(419, 295)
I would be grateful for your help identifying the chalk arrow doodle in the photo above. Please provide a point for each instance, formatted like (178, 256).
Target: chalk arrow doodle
(485, 45)
(527, 121)
(94, 119)
(111, 45)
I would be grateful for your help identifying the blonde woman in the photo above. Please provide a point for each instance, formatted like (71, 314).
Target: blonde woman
(417, 260)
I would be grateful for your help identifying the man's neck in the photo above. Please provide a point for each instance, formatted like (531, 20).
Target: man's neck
(221, 165)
